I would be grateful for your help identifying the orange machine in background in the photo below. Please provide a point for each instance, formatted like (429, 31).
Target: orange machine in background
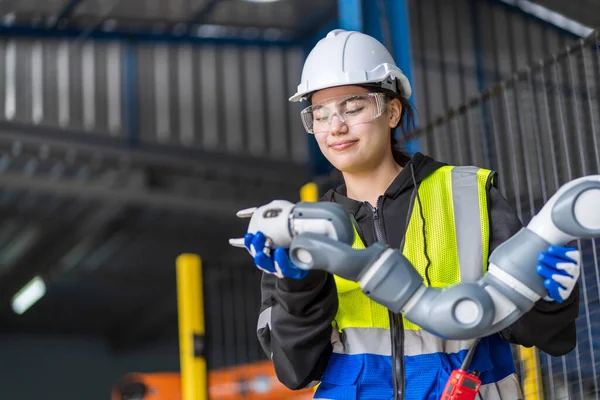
(255, 381)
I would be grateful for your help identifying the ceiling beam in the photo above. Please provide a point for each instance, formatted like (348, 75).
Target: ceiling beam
(104, 193)
(65, 12)
(204, 11)
(577, 19)
(234, 35)
(176, 158)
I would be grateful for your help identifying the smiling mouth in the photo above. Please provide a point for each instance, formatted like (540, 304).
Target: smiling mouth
(343, 145)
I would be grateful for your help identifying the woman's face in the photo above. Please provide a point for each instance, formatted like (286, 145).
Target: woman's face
(353, 147)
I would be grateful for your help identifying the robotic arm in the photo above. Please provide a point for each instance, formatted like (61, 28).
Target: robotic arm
(320, 235)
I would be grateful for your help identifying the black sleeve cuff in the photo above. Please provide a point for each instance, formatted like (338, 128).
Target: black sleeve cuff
(310, 282)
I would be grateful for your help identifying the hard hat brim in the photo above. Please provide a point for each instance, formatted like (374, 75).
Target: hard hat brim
(406, 90)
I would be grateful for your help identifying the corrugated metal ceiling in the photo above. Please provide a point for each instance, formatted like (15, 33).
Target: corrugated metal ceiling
(284, 18)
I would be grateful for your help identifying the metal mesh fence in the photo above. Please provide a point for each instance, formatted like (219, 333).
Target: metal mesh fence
(539, 129)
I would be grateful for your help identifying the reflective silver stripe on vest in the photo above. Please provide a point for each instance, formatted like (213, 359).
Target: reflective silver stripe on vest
(422, 342)
(378, 341)
(264, 319)
(365, 340)
(465, 198)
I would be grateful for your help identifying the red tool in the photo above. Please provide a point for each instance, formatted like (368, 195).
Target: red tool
(463, 385)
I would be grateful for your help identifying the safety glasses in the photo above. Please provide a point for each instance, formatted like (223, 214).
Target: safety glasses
(351, 110)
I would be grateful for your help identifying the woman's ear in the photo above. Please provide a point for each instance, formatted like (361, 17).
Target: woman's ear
(395, 109)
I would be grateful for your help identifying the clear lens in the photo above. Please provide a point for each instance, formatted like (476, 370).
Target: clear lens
(351, 110)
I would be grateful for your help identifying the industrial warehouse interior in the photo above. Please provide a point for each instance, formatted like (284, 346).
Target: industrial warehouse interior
(133, 131)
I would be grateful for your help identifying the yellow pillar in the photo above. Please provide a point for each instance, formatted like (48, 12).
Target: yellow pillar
(309, 192)
(190, 308)
(532, 375)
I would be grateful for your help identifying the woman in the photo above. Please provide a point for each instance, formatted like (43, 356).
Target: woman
(318, 328)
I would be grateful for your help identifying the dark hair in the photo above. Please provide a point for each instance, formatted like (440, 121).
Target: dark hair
(406, 126)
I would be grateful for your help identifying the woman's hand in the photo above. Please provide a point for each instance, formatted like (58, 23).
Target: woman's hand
(271, 261)
(560, 267)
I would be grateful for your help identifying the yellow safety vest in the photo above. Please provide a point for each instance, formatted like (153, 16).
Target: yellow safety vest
(457, 242)
(456, 232)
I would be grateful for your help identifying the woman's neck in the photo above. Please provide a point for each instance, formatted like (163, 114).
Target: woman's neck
(368, 186)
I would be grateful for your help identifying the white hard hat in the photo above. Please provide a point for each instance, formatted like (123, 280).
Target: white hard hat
(350, 58)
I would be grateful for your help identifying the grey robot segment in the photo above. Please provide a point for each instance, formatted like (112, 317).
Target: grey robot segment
(437, 311)
(332, 256)
(563, 213)
(332, 212)
(518, 257)
(521, 302)
(393, 282)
